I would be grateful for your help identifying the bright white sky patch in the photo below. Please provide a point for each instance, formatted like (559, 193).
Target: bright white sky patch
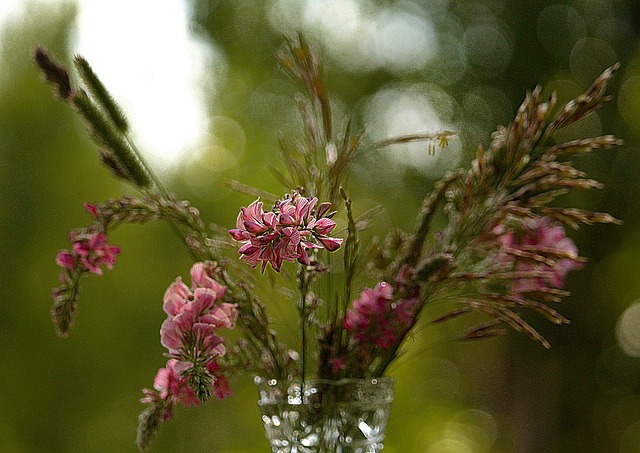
(153, 65)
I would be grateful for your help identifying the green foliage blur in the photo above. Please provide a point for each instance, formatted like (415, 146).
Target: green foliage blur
(509, 395)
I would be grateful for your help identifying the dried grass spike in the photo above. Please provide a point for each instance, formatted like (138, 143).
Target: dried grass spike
(101, 94)
(53, 72)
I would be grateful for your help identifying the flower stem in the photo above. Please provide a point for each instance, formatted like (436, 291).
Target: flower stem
(163, 192)
(303, 320)
(303, 286)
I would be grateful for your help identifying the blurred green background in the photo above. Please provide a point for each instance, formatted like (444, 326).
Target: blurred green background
(398, 66)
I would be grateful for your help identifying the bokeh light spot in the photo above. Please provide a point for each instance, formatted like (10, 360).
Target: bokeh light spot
(450, 64)
(450, 446)
(559, 27)
(628, 330)
(629, 101)
(406, 110)
(487, 106)
(630, 439)
(589, 57)
(480, 426)
(361, 36)
(488, 48)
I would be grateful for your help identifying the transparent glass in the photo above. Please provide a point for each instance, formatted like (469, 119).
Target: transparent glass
(322, 416)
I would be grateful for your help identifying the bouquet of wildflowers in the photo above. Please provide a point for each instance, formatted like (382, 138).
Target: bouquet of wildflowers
(503, 251)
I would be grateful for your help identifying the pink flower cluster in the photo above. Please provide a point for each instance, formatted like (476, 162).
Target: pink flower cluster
(190, 333)
(543, 237)
(376, 318)
(172, 388)
(90, 250)
(195, 315)
(286, 233)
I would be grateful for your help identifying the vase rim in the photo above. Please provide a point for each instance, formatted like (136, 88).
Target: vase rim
(261, 380)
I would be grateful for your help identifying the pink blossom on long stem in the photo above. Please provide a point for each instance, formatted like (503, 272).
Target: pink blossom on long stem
(542, 237)
(170, 389)
(286, 233)
(194, 316)
(190, 333)
(90, 250)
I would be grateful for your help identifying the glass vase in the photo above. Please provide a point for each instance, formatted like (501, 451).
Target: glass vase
(324, 416)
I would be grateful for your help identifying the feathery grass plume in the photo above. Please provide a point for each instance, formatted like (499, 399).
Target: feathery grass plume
(301, 62)
(117, 170)
(54, 72)
(488, 329)
(507, 188)
(268, 354)
(586, 103)
(317, 163)
(148, 424)
(506, 193)
(100, 94)
(338, 157)
(106, 134)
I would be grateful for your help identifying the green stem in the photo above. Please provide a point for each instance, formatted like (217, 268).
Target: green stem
(163, 192)
(146, 166)
(303, 286)
(303, 318)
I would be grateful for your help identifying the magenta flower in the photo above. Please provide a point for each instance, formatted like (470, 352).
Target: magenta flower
(286, 233)
(194, 316)
(172, 386)
(541, 237)
(66, 259)
(376, 318)
(221, 386)
(92, 209)
(90, 250)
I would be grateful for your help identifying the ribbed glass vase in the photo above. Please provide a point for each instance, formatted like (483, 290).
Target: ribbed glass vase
(323, 416)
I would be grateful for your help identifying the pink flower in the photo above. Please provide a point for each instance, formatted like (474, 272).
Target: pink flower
(376, 318)
(92, 209)
(66, 259)
(90, 250)
(194, 316)
(286, 233)
(200, 278)
(94, 251)
(221, 386)
(539, 236)
(173, 387)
